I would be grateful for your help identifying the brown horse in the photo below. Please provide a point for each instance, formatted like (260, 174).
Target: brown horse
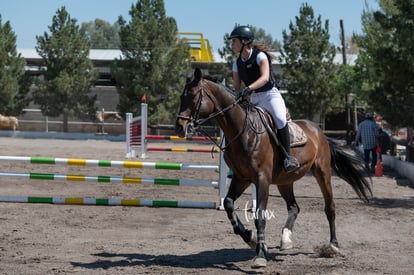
(253, 155)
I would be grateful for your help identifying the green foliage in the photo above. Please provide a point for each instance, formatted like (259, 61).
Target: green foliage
(154, 62)
(387, 60)
(307, 63)
(14, 82)
(345, 82)
(69, 72)
(101, 34)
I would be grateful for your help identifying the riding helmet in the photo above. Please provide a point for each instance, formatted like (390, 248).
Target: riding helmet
(244, 33)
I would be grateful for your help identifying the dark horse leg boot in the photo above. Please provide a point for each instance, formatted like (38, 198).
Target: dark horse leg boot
(289, 163)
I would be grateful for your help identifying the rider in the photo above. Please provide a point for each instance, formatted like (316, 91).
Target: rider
(253, 67)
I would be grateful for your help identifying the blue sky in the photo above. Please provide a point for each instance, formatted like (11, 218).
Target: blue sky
(213, 18)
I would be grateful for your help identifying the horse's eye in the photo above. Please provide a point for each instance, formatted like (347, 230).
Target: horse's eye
(188, 93)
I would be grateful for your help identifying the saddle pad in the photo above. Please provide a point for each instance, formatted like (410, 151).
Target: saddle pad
(297, 135)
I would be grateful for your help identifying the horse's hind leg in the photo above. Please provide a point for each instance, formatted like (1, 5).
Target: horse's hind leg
(323, 177)
(286, 191)
(235, 190)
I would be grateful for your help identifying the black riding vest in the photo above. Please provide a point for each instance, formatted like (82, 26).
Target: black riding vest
(249, 71)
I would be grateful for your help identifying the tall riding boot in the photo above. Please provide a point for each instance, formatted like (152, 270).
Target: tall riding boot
(289, 163)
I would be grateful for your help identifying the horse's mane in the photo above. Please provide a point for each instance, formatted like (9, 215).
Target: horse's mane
(217, 79)
(245, 104)
(214, 78)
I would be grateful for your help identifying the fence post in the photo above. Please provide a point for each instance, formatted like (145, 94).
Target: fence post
(144, 123)
(130, 153)
(103, 121)
(222, 175)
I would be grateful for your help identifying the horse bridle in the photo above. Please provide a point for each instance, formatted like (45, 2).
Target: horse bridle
(195, 121)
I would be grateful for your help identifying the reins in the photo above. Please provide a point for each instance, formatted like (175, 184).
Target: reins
(213, 115)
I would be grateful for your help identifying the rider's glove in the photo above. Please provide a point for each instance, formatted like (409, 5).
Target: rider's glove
(246, 92)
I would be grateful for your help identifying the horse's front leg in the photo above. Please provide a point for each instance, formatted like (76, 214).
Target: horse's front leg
(286, 190)
(262, 194)
(235, 190)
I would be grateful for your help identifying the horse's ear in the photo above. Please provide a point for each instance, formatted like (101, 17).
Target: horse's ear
(197, 74)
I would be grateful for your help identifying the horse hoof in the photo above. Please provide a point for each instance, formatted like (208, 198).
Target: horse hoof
(259, 262)
(284, 246)
(286, 241)
(334, 247)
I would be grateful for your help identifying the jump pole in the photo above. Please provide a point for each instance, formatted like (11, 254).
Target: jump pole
(107, 163)
(177, 138)
(119, 179)
(124, 164)
(182, 150)
(107, 201)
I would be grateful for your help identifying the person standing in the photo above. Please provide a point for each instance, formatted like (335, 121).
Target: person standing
(368, 132)
(253, 67)
(384, 140)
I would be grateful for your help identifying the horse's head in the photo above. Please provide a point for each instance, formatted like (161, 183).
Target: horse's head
(195, 104)
(117, 116)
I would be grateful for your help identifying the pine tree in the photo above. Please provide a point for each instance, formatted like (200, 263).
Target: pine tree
(154, 62)
(307, 64)
(387, 60)
(14, 82)
(101, 34)
(69, 72)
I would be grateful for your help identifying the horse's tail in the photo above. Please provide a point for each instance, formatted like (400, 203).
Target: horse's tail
(351, 168)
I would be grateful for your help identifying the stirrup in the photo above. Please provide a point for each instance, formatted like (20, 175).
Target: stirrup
(291, 164)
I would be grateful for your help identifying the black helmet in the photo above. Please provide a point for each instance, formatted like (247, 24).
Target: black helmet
(242, 32)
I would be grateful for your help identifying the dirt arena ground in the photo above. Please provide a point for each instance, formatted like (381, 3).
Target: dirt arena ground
(375, 238)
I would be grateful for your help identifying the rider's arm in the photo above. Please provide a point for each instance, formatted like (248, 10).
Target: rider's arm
(236, 78)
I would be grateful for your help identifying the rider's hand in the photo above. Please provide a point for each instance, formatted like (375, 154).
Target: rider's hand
(246, 92)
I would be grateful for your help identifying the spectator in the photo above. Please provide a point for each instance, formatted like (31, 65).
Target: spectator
(384, 140)
(368, 132)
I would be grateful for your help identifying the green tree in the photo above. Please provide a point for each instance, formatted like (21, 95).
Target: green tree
(69, 72)
(307, 64)
(101, 34)
(14, 82)
(387, 60)
(154, 62)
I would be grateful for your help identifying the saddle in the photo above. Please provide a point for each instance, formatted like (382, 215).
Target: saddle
(297, 135)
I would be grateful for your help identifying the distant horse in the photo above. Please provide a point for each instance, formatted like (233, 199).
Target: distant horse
(8, 123)
(254, 156)
(101, 117)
